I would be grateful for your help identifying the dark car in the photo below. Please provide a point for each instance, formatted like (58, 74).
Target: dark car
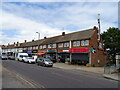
(11, 57)
(44, 62)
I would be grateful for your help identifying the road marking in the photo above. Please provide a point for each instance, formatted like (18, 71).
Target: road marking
(20, 77)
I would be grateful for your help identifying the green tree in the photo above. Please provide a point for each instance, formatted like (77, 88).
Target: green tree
(111, 39)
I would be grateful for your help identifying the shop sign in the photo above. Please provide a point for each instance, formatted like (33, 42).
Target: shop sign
(51, 50)
(79, 50)
(62, 50)
(65, 50)
(34, 51)
(29, 51)
(42, 51)
(24, 51)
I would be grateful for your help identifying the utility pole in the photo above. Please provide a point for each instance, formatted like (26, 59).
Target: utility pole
(99, 28)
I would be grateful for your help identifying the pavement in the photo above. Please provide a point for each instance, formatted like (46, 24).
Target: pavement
(79, 67)
(99, 70)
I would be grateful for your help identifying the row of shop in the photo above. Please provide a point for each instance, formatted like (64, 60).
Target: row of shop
(75, 56)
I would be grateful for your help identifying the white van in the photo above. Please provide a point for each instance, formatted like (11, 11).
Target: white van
(22, 56)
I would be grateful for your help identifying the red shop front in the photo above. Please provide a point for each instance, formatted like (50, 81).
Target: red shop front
(79, 55)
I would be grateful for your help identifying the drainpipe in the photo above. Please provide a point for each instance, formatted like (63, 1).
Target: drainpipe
(70, 52)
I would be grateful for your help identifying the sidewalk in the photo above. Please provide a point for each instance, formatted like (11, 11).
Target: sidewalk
(78, 67)
(115, 76)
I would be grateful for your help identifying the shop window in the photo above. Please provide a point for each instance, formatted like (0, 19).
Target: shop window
(84, 42)
(76, 43)
(60, 45)
(54, 45)
(44, 46)
(66, 44)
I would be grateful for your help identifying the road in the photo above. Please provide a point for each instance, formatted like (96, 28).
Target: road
(48, 77)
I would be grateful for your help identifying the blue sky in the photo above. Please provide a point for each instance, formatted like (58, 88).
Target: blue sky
(21, 20)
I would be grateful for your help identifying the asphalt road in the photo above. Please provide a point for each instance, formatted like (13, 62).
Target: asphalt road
(48, 77)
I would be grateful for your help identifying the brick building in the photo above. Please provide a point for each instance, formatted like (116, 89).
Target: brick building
(77, 47)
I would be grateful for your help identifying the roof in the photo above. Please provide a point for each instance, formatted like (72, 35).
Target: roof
(79, 35)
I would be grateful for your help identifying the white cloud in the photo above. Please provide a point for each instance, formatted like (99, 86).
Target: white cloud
(27, 29)
(28, 19)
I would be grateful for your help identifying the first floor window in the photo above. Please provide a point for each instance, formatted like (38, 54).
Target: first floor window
(84, 42)
(76, 43)
(66, 44)
(60, 45)
(54, 46)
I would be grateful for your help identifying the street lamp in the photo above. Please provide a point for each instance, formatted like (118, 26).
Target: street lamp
(38, 35)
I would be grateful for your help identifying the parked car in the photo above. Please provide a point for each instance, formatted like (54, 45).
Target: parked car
(11, 57)
(22, 56)
(4, 57)
(44, 62)
(31, 59)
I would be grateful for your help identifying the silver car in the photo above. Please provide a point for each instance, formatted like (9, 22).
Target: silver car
(44, 62)
(4, 57)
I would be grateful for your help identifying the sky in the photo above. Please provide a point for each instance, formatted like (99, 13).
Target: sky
(21, 20)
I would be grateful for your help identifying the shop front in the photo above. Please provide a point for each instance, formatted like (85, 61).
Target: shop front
(41, 53)
(63, 55)
(52, 54)
(79, 56)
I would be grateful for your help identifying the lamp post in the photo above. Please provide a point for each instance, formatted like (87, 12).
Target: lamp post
(38, 35)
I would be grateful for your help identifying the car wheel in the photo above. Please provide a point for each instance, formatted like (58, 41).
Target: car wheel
(44, 65)
(38, 64)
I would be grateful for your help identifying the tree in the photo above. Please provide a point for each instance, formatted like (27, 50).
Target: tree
(111, 40)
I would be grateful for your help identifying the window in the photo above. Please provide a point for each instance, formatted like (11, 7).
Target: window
(44, 46)
(54, 45)
(76, 43)
(66, 44)
(41, 46)
(36, 47)
(49, 46)
(100, 45)
(60, 45)
(85, 42)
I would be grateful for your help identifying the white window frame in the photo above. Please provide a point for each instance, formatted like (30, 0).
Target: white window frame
(84, 42)
(44, 46)
(54, 46)
(60, 45)
(76, 43)
(49, 46)
(66, 44)
(41, 46)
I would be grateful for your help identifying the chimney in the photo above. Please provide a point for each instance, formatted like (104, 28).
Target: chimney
(14, 43)
(8, 44)
(25, 41)
(95, 28)
(33, 40)
(17, 42)
(45, 37)
(63, 33)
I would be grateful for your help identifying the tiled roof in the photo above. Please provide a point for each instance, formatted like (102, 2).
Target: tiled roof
(79, 35)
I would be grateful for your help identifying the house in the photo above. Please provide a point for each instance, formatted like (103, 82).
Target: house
(81, 47)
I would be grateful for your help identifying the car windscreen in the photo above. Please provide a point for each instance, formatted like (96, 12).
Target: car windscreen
(47, 59)
(31, 57)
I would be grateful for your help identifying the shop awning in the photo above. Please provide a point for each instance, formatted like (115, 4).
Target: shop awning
(39, 53)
